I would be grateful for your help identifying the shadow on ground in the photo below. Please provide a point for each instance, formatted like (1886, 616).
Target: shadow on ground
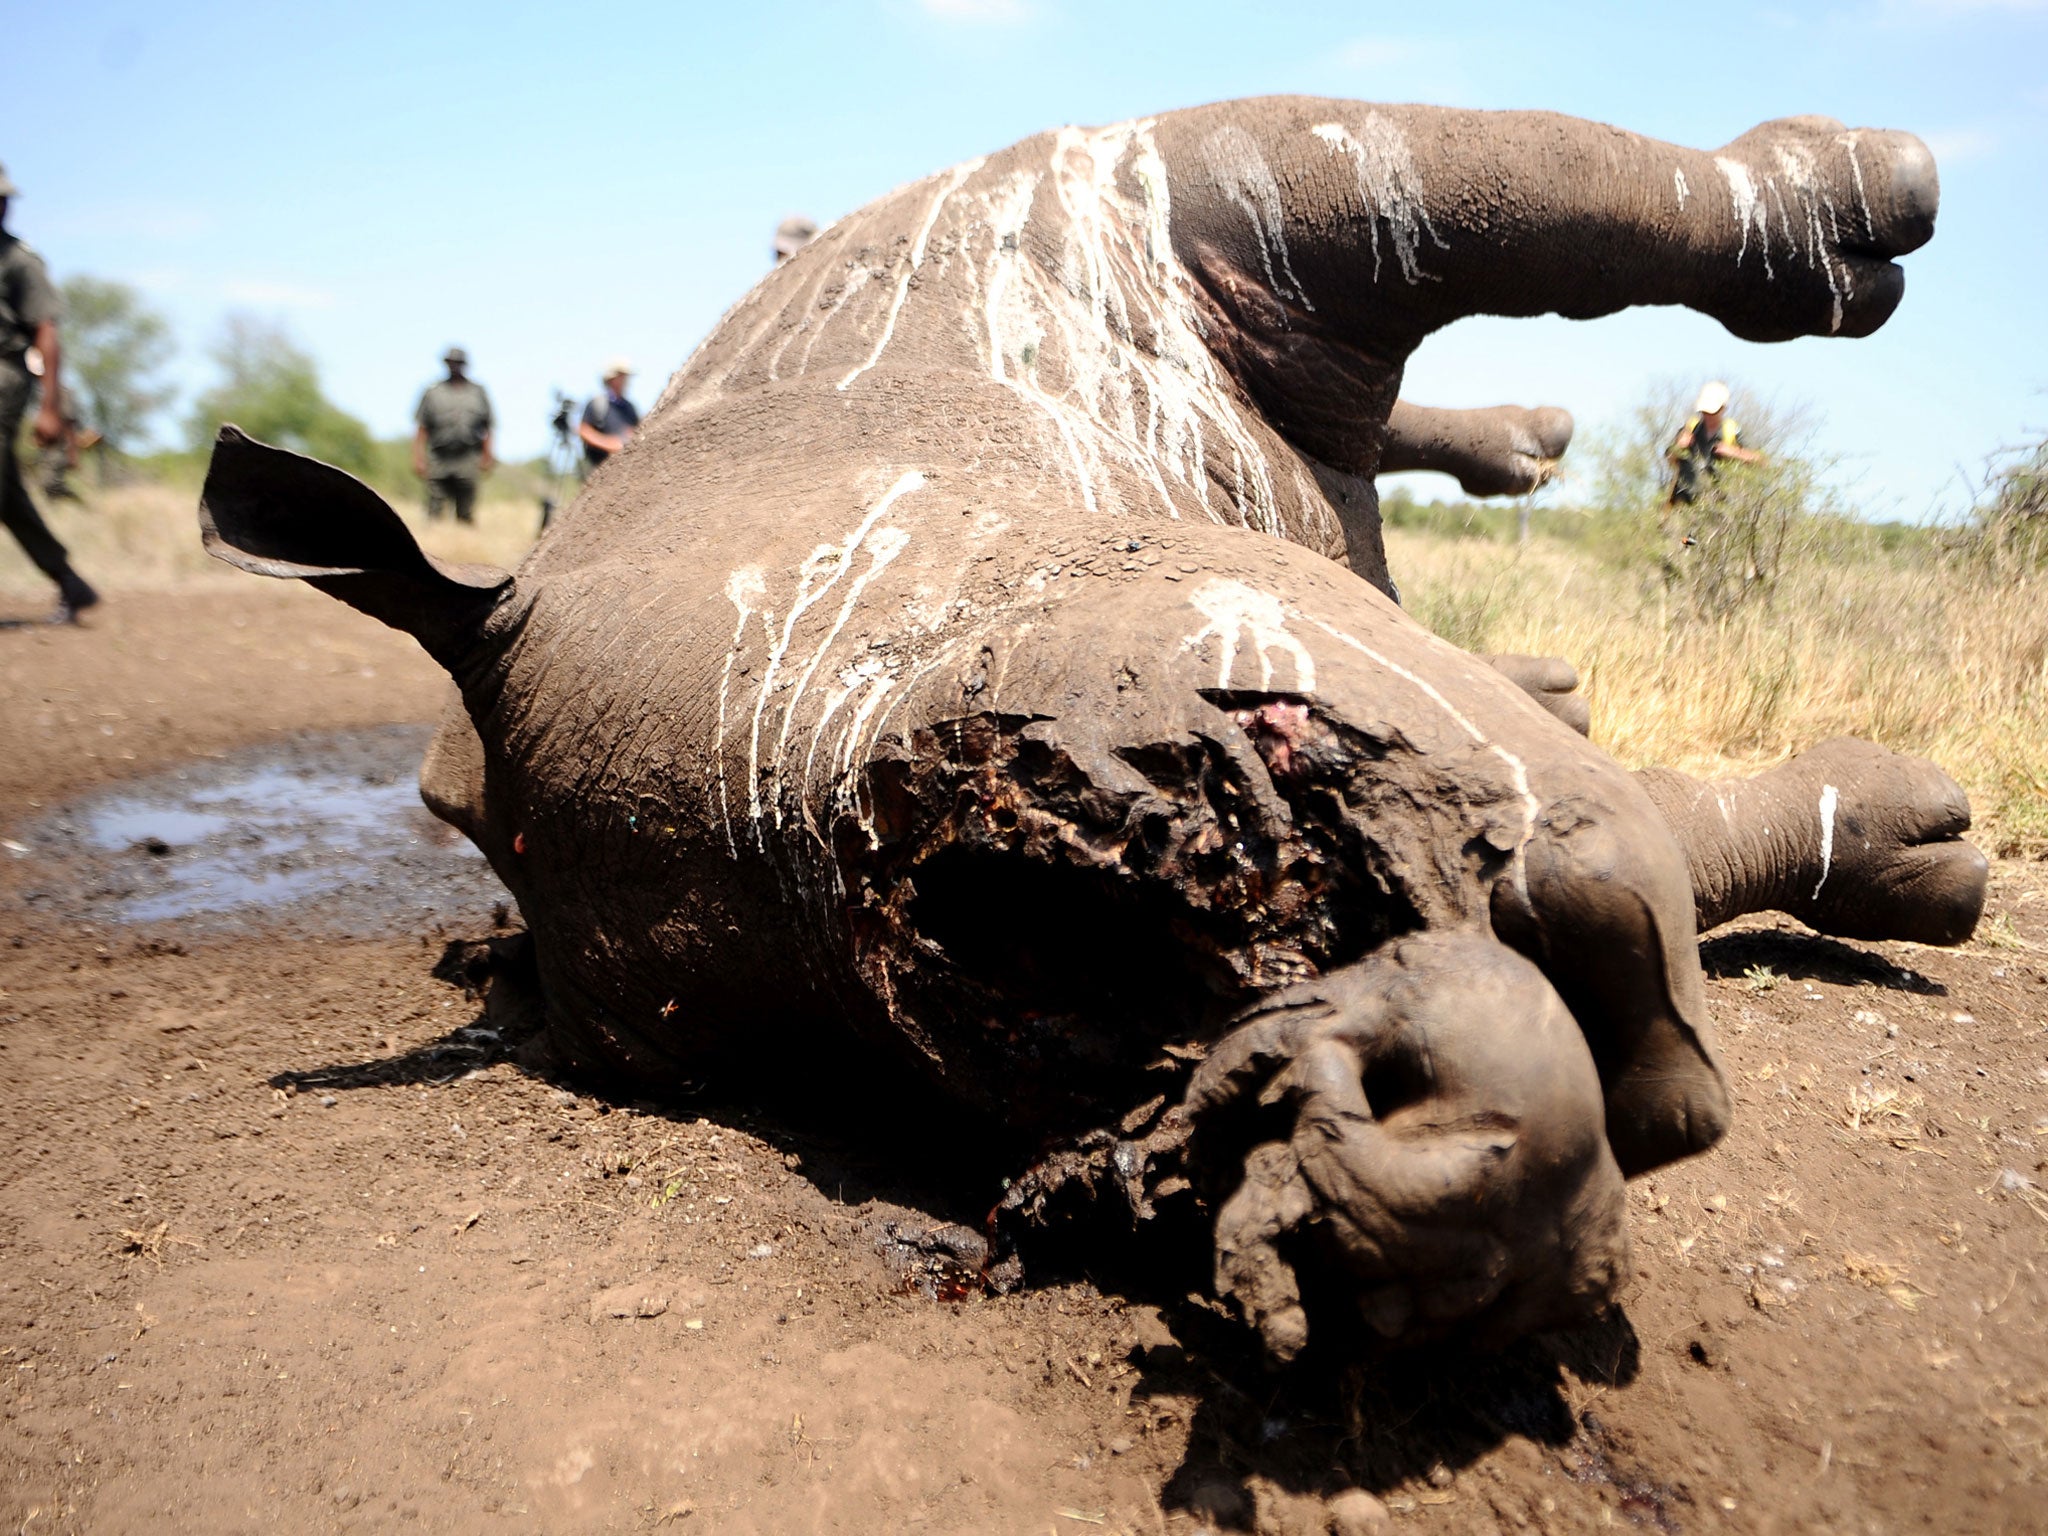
(1416, 1418)
(1324, 1425)
(1808, 957)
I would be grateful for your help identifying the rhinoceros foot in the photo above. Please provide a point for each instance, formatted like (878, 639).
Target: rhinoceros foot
(1896, 866)
(1386, 1135)
(1846, 202)
(1552, 682)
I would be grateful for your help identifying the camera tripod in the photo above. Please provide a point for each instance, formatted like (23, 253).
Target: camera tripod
(565, 459)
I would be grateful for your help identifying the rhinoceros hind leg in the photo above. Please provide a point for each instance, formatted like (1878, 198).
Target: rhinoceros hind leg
(1881, 191)
(1426, 1139)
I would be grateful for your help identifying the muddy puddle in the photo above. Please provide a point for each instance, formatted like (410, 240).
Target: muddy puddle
(319, 834)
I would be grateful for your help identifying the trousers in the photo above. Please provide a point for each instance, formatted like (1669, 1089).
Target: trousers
(458, 491)
(16, 510)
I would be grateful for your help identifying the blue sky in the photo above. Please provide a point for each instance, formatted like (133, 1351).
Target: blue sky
(551, 184)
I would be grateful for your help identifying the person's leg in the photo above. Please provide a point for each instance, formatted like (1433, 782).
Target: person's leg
(22, 519)
(437, 496)
(462, 491)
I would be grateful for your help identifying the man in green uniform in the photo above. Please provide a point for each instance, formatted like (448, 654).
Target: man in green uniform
(1709, 435)
(29, 310)
(452, 448)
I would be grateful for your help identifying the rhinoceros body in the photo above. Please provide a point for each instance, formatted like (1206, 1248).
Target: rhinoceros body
(984, 649)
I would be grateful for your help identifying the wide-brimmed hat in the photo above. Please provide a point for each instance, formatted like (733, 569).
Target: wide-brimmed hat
(1713, 398)
(457, 356)
(793, 234)
(7, 186)
(615, 367)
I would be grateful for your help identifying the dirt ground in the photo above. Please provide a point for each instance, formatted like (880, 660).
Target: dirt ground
(294, 1240)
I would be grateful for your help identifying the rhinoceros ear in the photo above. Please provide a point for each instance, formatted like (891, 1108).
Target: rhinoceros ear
(278, 513)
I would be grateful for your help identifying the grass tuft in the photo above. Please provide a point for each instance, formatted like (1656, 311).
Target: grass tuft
(1906, 646)
(145, 535)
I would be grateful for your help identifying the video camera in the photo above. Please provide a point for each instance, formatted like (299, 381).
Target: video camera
(562, 422)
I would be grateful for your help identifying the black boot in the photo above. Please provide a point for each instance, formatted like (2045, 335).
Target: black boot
(74, 596)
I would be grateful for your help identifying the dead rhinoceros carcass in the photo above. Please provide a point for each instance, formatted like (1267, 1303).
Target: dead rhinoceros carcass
(962, 659)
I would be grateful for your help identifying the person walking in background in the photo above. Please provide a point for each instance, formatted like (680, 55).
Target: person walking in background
(451, 450)
(609, 418)
(1709, 435)
(29, 349)
(792, 235)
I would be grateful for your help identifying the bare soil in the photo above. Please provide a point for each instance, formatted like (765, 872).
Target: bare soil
(296, 1239)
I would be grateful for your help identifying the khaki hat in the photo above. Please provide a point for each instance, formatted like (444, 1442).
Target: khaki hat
(1713, 399)
(456, 355)
(793, 234)
(614, 368)
(7, 186)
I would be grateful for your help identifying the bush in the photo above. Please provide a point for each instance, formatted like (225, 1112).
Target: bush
(2009, 526)
(271, 389)
(1751, 522)
(113, 347)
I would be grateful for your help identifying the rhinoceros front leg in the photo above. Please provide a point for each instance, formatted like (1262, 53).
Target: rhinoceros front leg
(1498, 450)
(1849, 838)
(1433, 1141)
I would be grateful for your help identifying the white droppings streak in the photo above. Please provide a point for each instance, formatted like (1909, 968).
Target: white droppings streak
(1107, 346)
(958, 174)
(1807, 217)
(1242, 175)
(1237, 614)
(1684, 188)
(850, 740)
(853, 746)
(1814, 200)
(863, 674)
(1750, 213)
(1830, 797)
(856, 281)
(1862, 197)
(884, 546)
(828, 562)
(1062, 277)
(1391, 187)
(743, 589)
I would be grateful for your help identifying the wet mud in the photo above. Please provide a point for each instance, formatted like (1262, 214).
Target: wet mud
(320, 835)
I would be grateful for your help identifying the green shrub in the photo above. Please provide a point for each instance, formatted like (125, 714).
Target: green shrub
(270, 388)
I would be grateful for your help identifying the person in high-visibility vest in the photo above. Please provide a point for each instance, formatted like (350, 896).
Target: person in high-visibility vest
(1709, 435)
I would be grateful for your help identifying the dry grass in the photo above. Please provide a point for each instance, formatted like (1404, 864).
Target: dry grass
(146, 536)
(1924, 654)
(1890, 1279)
